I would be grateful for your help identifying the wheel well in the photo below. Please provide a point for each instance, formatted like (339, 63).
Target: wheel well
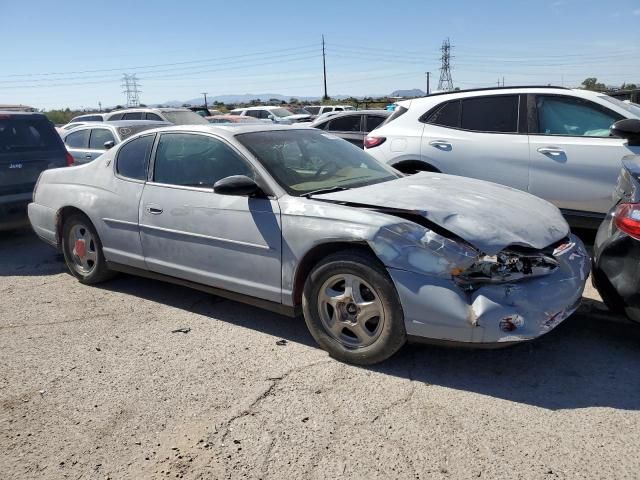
(414, 166)
(317, 254)
(62, 215)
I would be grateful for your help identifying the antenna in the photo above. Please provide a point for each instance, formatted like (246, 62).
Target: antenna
(446, 82)
(130, 85)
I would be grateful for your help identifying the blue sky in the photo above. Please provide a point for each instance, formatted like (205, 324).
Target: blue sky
(73, 53)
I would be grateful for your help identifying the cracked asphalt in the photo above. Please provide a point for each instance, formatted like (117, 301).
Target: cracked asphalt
(94, 384)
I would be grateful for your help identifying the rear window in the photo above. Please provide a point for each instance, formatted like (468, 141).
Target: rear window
(179, 117)
(23, 133)
(129, 131)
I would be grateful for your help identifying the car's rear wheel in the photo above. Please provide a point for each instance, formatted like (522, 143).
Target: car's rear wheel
(352, 309)
(82, 250)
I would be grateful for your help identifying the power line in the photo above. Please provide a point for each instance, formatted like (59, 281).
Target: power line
(446, 82)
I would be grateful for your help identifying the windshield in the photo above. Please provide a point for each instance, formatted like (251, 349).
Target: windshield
(303, 161)
(280, 112)
(631, 108)
(182, 117)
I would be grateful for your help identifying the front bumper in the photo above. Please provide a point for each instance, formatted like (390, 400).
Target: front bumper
(438, 309)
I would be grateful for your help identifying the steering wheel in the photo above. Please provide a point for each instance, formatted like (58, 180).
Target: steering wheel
(335, 168)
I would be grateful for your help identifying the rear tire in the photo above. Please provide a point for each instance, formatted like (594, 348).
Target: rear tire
(352, 309)
(82, 250)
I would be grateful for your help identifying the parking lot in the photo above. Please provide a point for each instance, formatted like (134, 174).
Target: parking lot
(95, 382)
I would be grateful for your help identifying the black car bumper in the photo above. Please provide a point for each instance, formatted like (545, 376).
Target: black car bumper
(616, 267)
(13, 214)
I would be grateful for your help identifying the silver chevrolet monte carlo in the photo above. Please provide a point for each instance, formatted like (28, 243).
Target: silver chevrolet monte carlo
(296, 220)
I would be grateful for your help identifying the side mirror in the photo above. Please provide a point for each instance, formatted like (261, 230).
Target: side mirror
(272, 118)
(240, 185)
(629, 129)
(109, 144)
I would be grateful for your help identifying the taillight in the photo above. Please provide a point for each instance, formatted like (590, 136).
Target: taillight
(627, 219)
(69, 158)
(370, 142)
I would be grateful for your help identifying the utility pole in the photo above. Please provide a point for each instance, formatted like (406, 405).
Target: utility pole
(324, 70)
(503, 81)
(446, 82)
(99, 106)
(205, 99)
(428, 87)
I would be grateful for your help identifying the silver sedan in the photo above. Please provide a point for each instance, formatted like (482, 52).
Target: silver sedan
(297, 220)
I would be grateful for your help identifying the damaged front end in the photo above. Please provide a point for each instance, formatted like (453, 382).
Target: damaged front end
(452, 291)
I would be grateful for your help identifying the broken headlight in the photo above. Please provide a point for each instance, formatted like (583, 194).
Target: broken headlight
(508, 266)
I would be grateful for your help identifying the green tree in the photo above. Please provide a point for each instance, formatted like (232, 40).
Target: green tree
(591, 83)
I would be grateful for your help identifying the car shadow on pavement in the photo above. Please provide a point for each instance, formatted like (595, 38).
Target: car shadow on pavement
(24, 254)
(585, 362)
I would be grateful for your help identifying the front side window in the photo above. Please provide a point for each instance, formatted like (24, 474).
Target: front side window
(558, 115)
(253, 113)
(348, 123)
(279, 112)
(196, 161)
(495, 114)
(116, 116)
(133, 157)
(98, 138)
(303, 161)
(78, 139)
(327, 109)
(313, 110)
(153, 116)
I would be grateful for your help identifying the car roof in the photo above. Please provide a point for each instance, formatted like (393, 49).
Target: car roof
(132, 123)
(22, 114)
(151, 109)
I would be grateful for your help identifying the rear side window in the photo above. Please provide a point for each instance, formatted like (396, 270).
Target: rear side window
(448, 115)
(153, 116)
(98, 138)
(133, 116)
(374, 121)
(78, 139)
(398, 112)
(326, 109)
(349, 123)
(496, 114)
(313, 110)
(27, 134)
(133, 158)
(116, 116)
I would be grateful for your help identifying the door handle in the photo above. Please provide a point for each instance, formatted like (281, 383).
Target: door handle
(88, 155)
(440, 144)
(551, 151)
(154, 210)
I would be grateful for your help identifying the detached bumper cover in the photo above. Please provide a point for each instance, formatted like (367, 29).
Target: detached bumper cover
(437, 308)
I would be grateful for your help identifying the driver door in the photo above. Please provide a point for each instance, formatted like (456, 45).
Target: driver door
(190, 232)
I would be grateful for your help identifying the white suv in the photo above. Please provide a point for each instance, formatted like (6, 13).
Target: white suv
(549, 141)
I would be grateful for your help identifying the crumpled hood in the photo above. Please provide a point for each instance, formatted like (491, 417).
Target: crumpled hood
(487, 215)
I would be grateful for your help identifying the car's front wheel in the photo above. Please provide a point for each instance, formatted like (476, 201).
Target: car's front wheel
(82, 250)
(352, 309)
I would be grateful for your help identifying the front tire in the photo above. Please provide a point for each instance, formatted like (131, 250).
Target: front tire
(352, 309)
(82, 250)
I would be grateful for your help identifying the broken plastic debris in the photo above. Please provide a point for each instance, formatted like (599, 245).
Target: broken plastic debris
(181, 330)
(281, 342)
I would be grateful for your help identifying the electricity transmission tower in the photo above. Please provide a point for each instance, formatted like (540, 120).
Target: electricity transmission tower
(130, 85)
(445, 83)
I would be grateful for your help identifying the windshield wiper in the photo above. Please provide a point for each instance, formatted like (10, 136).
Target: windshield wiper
(324, 190)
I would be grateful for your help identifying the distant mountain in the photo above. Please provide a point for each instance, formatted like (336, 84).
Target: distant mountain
(414, 92)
